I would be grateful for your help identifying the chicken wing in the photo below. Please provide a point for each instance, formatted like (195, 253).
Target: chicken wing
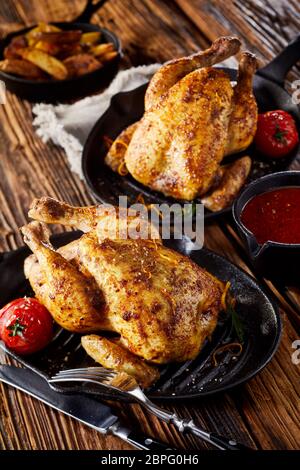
(115, 157)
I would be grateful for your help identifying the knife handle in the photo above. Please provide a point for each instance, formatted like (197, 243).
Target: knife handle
(146, 443)
(138, 440)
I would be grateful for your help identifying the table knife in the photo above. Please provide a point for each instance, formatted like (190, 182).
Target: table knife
(85, 409)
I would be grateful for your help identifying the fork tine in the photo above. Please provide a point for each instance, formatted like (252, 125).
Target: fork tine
(55, 380)
(81, 378)
(85, 369)
(82, 372)
(96, 375)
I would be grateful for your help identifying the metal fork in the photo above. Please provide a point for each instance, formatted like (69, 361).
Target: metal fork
(124, 383)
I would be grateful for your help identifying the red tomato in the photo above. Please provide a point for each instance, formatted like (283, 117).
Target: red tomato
(25, 326)
(276, 134)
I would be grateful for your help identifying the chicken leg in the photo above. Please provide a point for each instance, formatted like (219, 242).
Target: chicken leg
(173, 71)
(108, 221)
(243, 119)
(74, 301)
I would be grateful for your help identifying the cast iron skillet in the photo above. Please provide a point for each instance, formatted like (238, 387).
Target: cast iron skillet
(52, 90)
(128, 107)
(257, 312)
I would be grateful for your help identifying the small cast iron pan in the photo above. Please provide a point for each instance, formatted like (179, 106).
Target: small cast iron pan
(277, 261)
(200, 377)
(52, 90)
(128, 107)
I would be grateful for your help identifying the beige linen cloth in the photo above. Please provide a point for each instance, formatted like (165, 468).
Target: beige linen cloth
(70, 125)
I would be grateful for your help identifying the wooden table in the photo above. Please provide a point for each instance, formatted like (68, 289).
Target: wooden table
(265, 412)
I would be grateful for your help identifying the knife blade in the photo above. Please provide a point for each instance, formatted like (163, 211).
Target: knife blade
(85, 409)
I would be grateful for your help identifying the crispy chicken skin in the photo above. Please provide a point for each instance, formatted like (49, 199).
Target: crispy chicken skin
(161, 304)
(193, 118)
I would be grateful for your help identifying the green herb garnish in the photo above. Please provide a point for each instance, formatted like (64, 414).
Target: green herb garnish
(237, 324)
(16, 328)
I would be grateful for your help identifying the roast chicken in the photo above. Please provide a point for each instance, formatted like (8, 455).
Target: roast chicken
(159, 303)
(193, 118)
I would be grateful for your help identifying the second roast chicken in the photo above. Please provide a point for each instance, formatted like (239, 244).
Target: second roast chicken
(161, 305)
(193, 118)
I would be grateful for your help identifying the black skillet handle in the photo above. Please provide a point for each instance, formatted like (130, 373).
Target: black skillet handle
(90, 8)
(277, 69)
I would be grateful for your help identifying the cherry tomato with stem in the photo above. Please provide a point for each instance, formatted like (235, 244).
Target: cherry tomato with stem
(26, 326)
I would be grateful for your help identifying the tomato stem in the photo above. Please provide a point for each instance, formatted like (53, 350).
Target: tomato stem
(16, 328)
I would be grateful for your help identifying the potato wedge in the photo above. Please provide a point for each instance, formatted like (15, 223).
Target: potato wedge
(102, 49)
(22, 68)
(68, 50)
(12, 51)
(90, 38)
(108, 57)
(61, 37)
(48, 47)
(81, 64)
(41, 27)
(46, 62)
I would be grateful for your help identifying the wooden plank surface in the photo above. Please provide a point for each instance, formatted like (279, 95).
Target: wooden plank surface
(264, 413)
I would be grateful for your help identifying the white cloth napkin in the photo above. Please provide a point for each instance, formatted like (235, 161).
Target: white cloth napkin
(70, 125)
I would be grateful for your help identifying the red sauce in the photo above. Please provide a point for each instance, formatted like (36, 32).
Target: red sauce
(274, 216)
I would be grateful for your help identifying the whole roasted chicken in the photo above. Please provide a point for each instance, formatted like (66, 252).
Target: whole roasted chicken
(193, 118)
(161, 305)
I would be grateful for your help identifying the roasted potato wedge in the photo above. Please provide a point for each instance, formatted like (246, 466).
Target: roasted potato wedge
(61, 51)
(102, 49)
(81, 64)
(68, 50)
(48, 47)
(60, 37)
(90, 38)
(108, 57)
(17, 44)
(40, 28)
(57, 53)
(46, 62)
(22, 68)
